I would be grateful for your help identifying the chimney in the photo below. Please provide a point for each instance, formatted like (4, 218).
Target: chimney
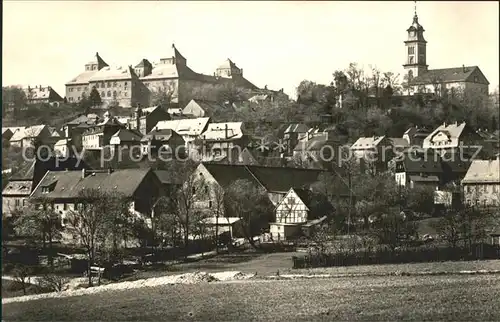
(463, 66)
(83, 173)
(225, 131)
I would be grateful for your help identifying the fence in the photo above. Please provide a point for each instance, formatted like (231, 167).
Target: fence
(415, 255)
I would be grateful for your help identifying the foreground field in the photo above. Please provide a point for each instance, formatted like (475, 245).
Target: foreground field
(363, 298)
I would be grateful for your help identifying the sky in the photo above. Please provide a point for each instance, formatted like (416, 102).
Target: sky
(277, 44)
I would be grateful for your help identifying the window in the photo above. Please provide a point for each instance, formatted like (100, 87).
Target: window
(108, 84)
(87, 68)
(126, 94)
(97, 85)
(18, 202)
(78, 89)
(71, 99)
(411, 50)
(115, 84)
(109, 93)
(103, 94)
(476, 79)
(78, 98)
(411, 60)
(210, 204)
(115, 94)
(94, 67)
(193, 190)
(495, 189)
(205, 189)
(65, 206)
(125, 84)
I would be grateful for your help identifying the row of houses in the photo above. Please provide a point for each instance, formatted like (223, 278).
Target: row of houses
(288, 189)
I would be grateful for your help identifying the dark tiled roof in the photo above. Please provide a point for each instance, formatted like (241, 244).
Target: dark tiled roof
(446, 75)
(166, 177)
(69, 184)
(35, 170)
(281, 179)
(227, 174)
(424, 178)
(422, 162)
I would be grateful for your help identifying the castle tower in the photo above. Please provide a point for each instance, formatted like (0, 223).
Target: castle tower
(415, 49)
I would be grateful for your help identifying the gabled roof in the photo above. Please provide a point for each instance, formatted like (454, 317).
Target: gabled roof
(17, 188)
(399, 142)
(223, 131)
(160, 135)
(27, 132)
(483, 171)
(127, 135)
(34, 93)
(297, 128)
(192, 127)
(451, 131)
(422, 162)
(87, 119)
(446, 75)
(69, 184)
(143, 63)
(226, 174)
(228, 64)
(367, 142)
(97, 60)
(281, 179)
(113, 73)
(247, 158)
(313, 144)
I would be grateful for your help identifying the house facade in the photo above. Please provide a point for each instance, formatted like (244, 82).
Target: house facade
(30, 135)
(219, 140)
(293, 214)
(141, 188)
(164, 141)
(481, 185)
(97, 136)
(189, 129)
(455, 137)
(42, 94)
(16, 194)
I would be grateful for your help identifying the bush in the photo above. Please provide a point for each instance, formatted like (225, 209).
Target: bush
(410, 255)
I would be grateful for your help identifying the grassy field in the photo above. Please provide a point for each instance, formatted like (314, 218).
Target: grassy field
(362, 298)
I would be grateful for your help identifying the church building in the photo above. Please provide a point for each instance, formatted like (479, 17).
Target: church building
(465, 82)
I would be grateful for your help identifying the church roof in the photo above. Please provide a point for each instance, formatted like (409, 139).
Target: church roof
(446, 75)
(144, 62)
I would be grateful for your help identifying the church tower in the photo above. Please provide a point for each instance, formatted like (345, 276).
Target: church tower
(416, 62)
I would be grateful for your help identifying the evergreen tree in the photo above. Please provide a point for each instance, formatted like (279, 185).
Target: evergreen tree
(95, 98)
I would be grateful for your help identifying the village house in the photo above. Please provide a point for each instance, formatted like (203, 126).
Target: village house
(141, 188)
(125, 138)
(373, 152)
(170, 77)
(42, 94)
(481, 185)
(277, 181)
(97, 136)
(64, 148)
(415, 136)
(200, 108)
(30, 136)
(466, 82)
(145, 119)
(319, 148)
(189, 129)
(74, 129)
(220, 139)
(292, 135)
(15, 195)
(169, 141)
(415, 168)
(454, 137)
(297, 214)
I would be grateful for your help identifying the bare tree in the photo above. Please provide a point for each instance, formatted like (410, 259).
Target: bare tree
(251, 204)
(89, 222)
(162, 94)
(40, 221)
